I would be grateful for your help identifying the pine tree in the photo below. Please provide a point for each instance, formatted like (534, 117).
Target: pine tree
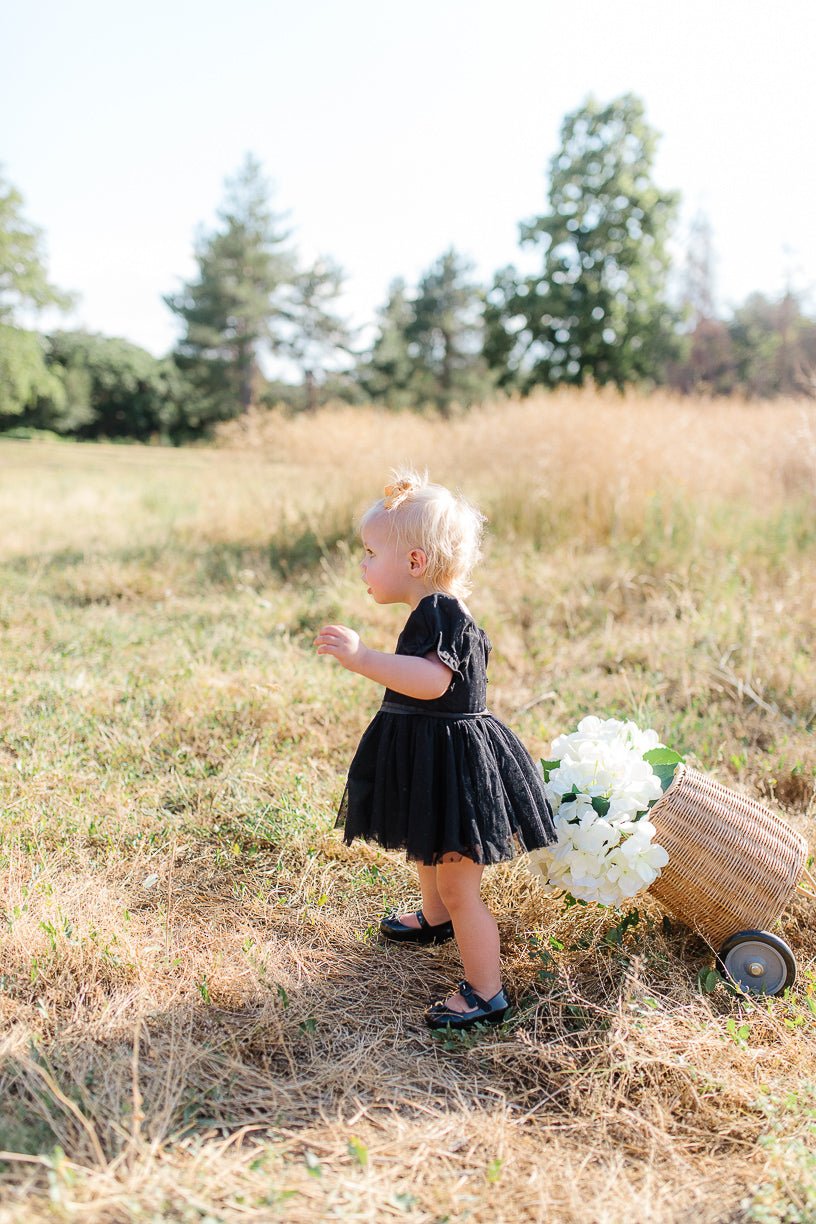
(446, 335)
(429, 350)
(236, 307)
(319, 333)
(387, 373)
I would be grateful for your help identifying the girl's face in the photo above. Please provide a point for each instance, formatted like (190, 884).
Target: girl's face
(392, 574)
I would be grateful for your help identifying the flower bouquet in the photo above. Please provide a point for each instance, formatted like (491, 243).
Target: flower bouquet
(601, 782)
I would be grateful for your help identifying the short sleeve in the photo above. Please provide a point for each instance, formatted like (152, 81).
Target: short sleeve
(439, 623)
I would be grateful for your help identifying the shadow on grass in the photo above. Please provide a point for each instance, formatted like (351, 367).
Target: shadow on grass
(347, 1038)
(215, 565)
(310, 1035)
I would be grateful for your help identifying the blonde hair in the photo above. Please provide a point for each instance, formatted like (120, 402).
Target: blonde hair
(444, 525)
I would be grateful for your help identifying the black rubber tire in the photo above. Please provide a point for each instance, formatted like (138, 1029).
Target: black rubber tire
(757, 948)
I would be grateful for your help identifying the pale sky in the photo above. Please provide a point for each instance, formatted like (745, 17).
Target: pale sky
(390, 131)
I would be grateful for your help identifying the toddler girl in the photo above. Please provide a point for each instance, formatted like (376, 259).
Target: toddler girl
(435, 774)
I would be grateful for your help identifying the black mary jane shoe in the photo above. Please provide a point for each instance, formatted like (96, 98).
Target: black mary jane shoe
(481, 1011)
(400, 932)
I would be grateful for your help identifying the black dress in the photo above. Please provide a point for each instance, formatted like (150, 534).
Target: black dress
(441, 776)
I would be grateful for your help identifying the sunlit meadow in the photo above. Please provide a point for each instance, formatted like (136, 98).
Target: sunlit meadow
(198, 1023)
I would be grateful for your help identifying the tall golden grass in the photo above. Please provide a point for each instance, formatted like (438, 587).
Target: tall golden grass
(198, 1022)
(595, 461)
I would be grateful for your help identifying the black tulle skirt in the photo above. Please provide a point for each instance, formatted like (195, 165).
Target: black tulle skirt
(433, 784)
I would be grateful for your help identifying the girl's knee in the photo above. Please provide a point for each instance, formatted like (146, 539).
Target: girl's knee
(458, 885)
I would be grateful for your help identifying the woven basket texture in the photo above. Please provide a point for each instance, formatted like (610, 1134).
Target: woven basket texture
(733, 865)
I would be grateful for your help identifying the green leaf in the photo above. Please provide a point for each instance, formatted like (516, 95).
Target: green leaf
(662, 756)
(665, 773)
(493, 1170)
(548, 767)
(600, 805)
(708, 980)
(358, 1150)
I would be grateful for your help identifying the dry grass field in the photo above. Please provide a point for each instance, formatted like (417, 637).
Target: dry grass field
(197, 1022)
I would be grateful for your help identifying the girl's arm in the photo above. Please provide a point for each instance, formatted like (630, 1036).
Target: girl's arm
(423, 678)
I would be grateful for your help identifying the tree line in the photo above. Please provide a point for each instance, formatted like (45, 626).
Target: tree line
(601, 303)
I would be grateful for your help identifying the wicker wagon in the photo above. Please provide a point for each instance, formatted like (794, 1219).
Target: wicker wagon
(732, 868)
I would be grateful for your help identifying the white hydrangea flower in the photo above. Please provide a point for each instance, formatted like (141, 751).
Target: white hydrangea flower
(606, 770)
(595, 730)
(610, 858)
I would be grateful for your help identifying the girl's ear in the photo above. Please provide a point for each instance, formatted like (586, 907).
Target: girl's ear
(417, 562)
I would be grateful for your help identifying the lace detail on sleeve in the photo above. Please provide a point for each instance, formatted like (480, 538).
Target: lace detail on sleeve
(439, 624)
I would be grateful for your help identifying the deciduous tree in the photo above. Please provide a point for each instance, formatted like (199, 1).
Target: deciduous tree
(775, 346)
(110, 388)
(598, 307)
(25, 290)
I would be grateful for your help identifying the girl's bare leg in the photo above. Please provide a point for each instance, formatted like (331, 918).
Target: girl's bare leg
(433, 907)
(458, 882)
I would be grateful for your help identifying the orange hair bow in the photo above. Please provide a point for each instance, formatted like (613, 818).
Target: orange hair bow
(395, 494)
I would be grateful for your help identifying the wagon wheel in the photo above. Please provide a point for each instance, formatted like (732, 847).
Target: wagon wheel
(759, 962)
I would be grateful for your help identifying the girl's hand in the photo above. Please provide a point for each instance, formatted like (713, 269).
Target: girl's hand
(344, 644)
(425, 678)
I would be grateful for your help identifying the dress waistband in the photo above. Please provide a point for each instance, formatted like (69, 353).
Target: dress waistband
(396, 707)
